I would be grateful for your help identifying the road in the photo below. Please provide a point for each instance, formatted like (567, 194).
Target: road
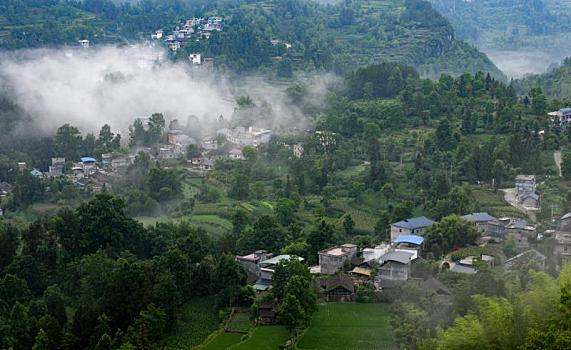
(558, 161)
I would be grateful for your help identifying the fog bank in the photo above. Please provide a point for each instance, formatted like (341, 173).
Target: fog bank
(107, 85)
(518, 63)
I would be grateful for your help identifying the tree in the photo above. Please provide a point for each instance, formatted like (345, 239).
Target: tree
(319, 238)
(137, 134)
(192, 151)
(285, 209)
(156, 127)
(283, 272)
(9, 241)
(42, 341)
(566, 163)
(240, 187)
(499, 172)
(291, 313)
(264, 234)
(348, 224)
(164, 184)
(68, 142)
(450, 233)
(55, 304)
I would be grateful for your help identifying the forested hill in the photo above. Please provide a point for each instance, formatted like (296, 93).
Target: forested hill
(337, 37)
(509, 24)
(555, 83)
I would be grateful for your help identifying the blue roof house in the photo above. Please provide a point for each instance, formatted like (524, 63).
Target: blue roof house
(414, 226)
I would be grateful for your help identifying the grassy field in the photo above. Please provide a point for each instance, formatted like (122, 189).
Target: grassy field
(223, 341)
(363, 220)
(264, 338)
(349, 326)
(240, 322)
(197, 320)
(494, 204)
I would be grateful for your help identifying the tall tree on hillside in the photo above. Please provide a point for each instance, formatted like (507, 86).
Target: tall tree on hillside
(68, 142)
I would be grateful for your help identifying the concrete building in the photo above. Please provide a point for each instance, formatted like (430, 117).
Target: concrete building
(561, 117)
(395, 266)
(414, 226)
(332, 260)
(563, 238)
(57, 167)
(525, 184)
(251, 262)
(246, 136)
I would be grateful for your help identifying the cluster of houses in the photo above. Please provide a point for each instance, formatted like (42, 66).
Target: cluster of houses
(341, 268)
(191, 29)
(526, 192)
(561, 117)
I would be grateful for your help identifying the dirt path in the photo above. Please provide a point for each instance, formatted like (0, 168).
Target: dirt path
(509, 196)
(558, 161)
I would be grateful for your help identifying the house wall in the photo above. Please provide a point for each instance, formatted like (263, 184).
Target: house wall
(397, 231)
(530, 202)
(339, 294)
(394, 271)
(330, 264)
(566, 225)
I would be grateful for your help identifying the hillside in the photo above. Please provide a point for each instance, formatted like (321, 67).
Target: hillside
(555, 83)
(337, 37)
(535, 31)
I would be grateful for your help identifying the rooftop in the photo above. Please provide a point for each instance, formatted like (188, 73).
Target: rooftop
(397, 256)
(88, 160)
(344, 249)
(479, 217)
(414, 223)
(525, 178)
(275, 260)
(565, 110)
(412, 239)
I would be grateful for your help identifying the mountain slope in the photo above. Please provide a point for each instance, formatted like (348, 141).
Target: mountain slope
(555, 83)
(337, 37)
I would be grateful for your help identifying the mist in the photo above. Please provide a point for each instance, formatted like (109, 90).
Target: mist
(518, 63)
(107, 85)
(112, 85)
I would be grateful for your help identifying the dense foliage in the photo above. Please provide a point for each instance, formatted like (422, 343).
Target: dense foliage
(333, 37)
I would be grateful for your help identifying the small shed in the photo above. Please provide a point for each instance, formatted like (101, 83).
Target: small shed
(267, 312)
(338, 288)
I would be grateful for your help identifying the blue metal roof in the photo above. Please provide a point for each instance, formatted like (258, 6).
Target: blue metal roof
(413, 239)
(479, 217)
(88, 160)
(414, 223)
(565, 110)
(36, 173)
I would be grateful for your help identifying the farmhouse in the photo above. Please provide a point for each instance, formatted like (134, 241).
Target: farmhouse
(525, 184)
(5, 189)
(395, 266)
(563, 238)
(529, 258)
(561, 117)
(526, 195)
(267, 267)
(246, 136)
(415, 226)
(333, 259)
(179, 138)
(57, 167)
(267, 312)
(338, 288)
(251, 262)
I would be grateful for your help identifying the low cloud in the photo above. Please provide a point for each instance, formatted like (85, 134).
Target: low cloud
(107, 85)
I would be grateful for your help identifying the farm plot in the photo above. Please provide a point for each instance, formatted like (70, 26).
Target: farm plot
(349, 326)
